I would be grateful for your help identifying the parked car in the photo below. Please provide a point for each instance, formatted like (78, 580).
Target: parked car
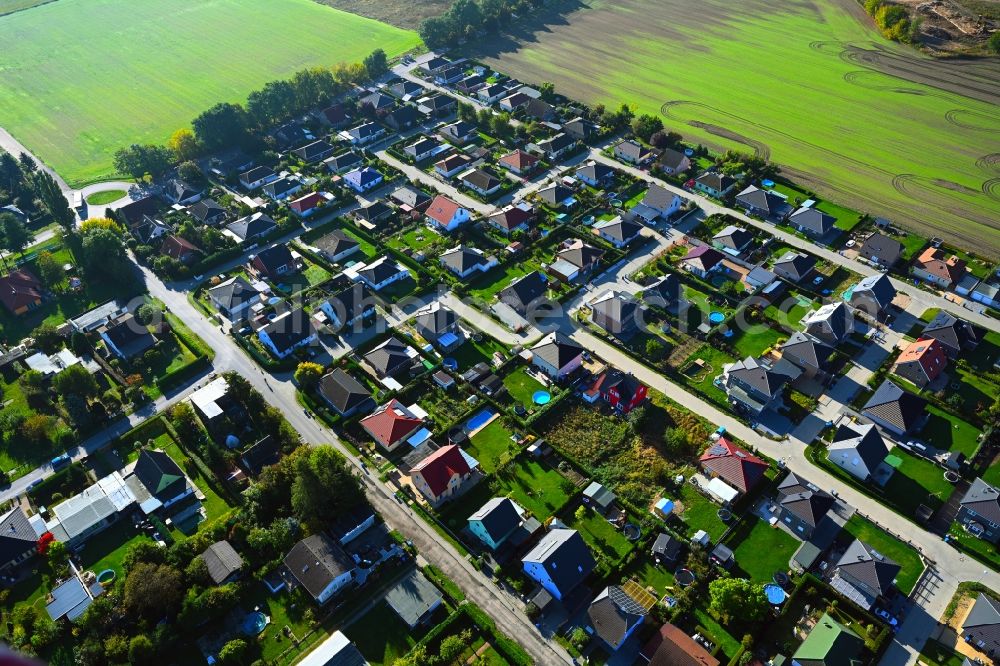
(61, 461)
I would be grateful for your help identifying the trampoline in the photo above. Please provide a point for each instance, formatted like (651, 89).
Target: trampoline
(684, 577)
(781, 578)
(541, 397)
(632, 532)
(775, 595)
(724, 515)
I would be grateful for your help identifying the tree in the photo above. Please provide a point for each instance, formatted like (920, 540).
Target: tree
(308, 374)
(273, 103)
(35, 428)
(993, 43)
(138, 160)
(452, 647)
(103, 252)
(142, 552)
(153, 591)
(580, 514)
(145, 313)
(376, 64)
(140, 650)
(50, 270)
(190, 171)
(222, 126)
(184, 145)
(234, 653)
(346, 73)
(645, 126)
(548, 91)
(53, 200)
(14, 236)
(116, 648)
(323, 486)
(101, 223)
(75, 380)
(315, 85)
(57, 554)
(27, 163)
(737, 597)
(47, 337)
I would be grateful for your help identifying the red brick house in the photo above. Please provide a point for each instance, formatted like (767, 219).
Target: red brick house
(304, 206)
(20, 291)
(620, 390)
(180, 249)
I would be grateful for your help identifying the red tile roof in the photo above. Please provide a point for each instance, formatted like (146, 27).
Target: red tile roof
(442, 209)
(670, 646)
(19, 289)
(735, 465)
(391, 423)
(177, 247)
(512, 217)
(929, 353)
(438, 468)
(308, 202)
(519, 160)
(933, 261)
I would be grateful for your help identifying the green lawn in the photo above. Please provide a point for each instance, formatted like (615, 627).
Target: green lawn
(939, 654)
(487, 445)
(729, 644)
(701, 513)
(789, 310)
(847, 219)
(51, 71)
(106, 197)
(754, 343)
(984, 549)
(817, 54)
(987, 352)
(704, 379)
(761, 550)
(600, 535)
(492, 282)
(886, 544)
(522, 387)
(382, 637)
(471, 352)
(107, 549)
(946, 431)
(539, 489)
(917, 482)
(418, 239)
(644, 571)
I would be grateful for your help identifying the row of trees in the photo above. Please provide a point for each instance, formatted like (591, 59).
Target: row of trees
(466, 18)
(233, 125)
(894, 21)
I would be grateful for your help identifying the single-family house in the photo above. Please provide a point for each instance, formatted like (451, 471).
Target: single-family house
(414, 600)
(349, 306)
(831, 323)
(460, 132)
(872, 295)
(251, 228)
(633, 152)
(125, 337)
(234, 297)
(334, 116)
(446, 215)
(262, 453)
(422, 149)
(402, 117)
(575, 261)
(829, 643)
(149, 228)
(617, 313)
(18, 539)
(857, 449)
(673, 162)
(314, 151)
(436, 105)
(272, 263)
(557, 146)
(618, 231)
(512, 218)
(794, 266)
(391, 358)
(657, 203)
(377, 100)
(336, 245)
(179, 248)
(808, 354)
(321, 566)
(307, 204)
(802, 506)
(735, 465)
(881, 250)
(556, 195)
(864, 575)
(955, 335)
(665, 292)
(754, 386)
(595, 174)
(288, 331)
(714, 184)
(979, 511)
(764, 203)
(208, 211)
(619, 389)
(579, 129)
(442, 475)
(410, 200)
(363, 179)
(525, 293)
(666, 550)
(495, 521)
(898, 411)
(178, 191)
(282, 188)
(464, 261)
(162, 478)
(481, 182)
(381, 273)
(343, 162)
(519, 162)
(345, 394)
(935, 267)
(732, 239)
(405, 89)
(491, 93)
(702, 260)
(559, 562)
(556, 355)
(981, 627)
(921, 362)
(439, 325)
(257, 177)
(452, 165)
(812, 222)
(363, 134)
(372, 213)
(615, 614)
(391, 424)
(513, 102)
(671, 646)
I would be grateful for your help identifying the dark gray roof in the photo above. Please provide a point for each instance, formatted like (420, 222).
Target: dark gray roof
(814, 220)
(810, 350)
(954, 333)
(866, 565)
(335, 243)
(380, 270)
(410, 196)
(760, 199)
(481, 179)
(272, 258)
(207, 210)
(422, 145)
(581, 255)
(671, 158)
(343, 391)
(620, 229)
(260, 455)
(436, 318)
(16, 535)
(715, 180)
(281, 186)
(537, 108)
(596, 171)
(290, 329)
(499, 517)
(556, 143)
(658, 197)
(222, 561)
(886, 250)
(892, 404)
(413, 597)
(555, 194)
(461, 259)
(252, 226)
(613, 614)
(234, 292)
(313, 150)
(526, 289)
(865, 441)
(751, 372)
(666, 546)
(836, 315)
(734, 237)
(615, 313)
(343, 161)
(556, 349)
(352, 301)
(879, 286)
(984, 499)
(373, 212)
(809, 506)
(667, 287)
(632, 149)
(565, 556)
(389, 357)
(797, 263)
(317, 561)
(984, 618)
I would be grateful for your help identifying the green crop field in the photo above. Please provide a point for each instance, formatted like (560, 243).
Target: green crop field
(82, 78)
(864, 122)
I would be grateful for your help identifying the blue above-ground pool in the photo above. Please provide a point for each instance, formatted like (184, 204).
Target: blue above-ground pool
(767, 183)
(450, 363)
(541, 397)
(254, 623)
(775, 595)
(716, 317)
(479, 420)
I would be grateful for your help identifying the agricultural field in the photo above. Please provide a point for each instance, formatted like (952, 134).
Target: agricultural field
(157, 64)
(405, 14)
(724, 74)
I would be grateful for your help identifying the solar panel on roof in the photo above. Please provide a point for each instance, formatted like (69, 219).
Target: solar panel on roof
(633, 598)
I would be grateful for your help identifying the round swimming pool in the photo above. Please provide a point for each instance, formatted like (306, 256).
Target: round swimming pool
(541, 397)
(716, 317)
(106, 576)
(775, 595)
(450, 363)
(254, 623)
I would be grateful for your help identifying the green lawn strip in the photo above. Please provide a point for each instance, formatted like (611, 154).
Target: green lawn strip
(760, 549)
(728, 644)
(51, 78)
(917, 481)
(704, 380)
(701, 513)
(982, 550)
(107, 549)
(382, 637)
(600, 535)
(492, 282)
(886, 544)
(105, 197)
(522, 387)
(754, 344)
(644, 571)
(992, 475)
(938, 654)
(487, 445)
(540, 489)
(987, 353)
(949, 432)
(472, 352)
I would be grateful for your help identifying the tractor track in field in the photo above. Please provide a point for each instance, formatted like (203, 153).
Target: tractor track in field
(954, 117)
(990, 163)
(991, 188)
